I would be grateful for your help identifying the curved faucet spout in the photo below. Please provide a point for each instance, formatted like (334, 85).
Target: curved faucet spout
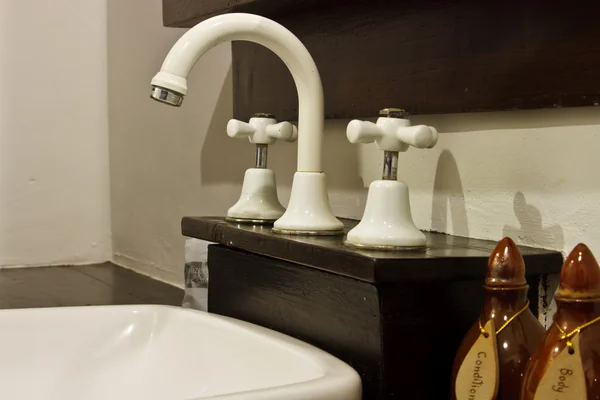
(207, 34)
(308, 212)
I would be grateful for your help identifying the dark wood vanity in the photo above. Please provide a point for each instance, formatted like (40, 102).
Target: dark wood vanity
(396, 317)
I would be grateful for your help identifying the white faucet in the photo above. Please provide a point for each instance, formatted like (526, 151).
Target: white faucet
(387, 222)
(258, 203)
(308, 210)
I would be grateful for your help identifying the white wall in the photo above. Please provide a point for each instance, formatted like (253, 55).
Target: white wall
(156, 151)
(527, 174)
(54, 199)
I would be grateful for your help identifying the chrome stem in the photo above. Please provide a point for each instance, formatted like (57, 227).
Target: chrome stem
(390, 165)
(261, 155)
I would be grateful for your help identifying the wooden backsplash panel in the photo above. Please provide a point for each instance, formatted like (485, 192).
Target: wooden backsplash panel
(187, 13)
(429, 57)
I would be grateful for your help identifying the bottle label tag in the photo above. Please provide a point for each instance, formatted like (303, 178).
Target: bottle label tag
(564, 378)
(477, 377)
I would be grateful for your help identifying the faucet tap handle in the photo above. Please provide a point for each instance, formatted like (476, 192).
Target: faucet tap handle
(262, 129)
(434, 139)
(419, 136)
(383, 133)
(392, 132)
(363, 132)
(283, 131)
(239, 129)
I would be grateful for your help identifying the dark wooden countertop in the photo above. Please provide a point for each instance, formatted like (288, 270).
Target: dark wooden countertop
(446, 256)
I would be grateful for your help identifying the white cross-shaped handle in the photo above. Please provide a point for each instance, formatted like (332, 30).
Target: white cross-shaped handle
(392, 134)
(262, 130)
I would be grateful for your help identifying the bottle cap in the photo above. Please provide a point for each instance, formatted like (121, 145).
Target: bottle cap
(580, 275)
(506, 267)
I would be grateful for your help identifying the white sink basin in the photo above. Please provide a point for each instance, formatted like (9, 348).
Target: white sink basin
(159, 352)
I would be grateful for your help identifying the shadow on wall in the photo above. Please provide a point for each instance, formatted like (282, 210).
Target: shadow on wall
(531, 231)
(448, 194)
(341, 159)
(225, 160)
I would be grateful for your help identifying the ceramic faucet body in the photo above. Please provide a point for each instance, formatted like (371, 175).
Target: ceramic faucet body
(308, 211)
(258, 203)
(387, 222)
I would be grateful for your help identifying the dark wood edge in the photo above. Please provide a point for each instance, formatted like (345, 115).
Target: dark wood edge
(365, 266)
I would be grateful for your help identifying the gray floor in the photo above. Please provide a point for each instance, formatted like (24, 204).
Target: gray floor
(98, 284)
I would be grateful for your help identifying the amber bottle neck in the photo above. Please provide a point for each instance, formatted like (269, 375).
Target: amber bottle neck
(507, 300)
(573, 313)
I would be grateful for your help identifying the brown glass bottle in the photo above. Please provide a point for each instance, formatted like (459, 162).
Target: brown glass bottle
(577, 302)
(505, 295)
